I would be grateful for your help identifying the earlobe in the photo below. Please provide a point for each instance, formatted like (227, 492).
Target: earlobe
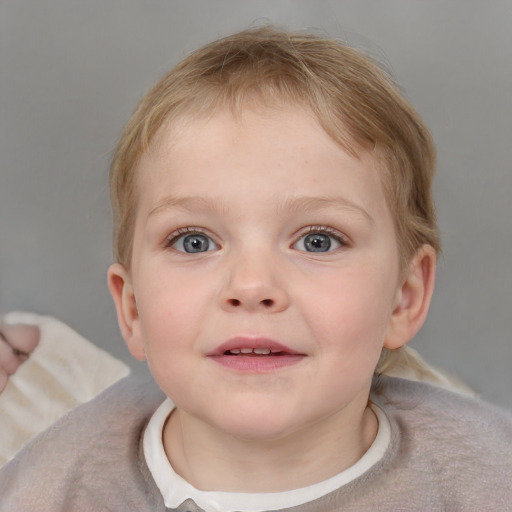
(413, 298)
(121, 289)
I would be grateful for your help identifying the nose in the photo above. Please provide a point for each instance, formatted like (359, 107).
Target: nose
(254, 285)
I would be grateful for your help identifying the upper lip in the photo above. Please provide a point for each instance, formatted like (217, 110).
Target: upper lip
(260, 342)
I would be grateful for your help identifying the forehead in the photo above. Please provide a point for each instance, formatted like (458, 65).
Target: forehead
(254, 108)
(273, 150)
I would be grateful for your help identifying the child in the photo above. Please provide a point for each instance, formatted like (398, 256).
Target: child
(276, 248)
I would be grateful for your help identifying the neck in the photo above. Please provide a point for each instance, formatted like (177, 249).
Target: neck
(213, 460)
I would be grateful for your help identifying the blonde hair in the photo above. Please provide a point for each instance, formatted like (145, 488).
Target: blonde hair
(355, 101)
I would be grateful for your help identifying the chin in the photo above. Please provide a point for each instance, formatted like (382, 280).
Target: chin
(258, 425)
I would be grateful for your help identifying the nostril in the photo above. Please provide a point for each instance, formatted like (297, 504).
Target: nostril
(267, 302)
(234, 302)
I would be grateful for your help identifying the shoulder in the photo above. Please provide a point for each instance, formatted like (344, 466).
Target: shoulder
(90, 454)
(459, 447)
(437, 408)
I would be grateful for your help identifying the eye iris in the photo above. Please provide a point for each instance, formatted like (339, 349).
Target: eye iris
(317, 242)
(196, 243)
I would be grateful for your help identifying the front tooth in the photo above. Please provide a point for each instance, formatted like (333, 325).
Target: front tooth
(235, 351)
(263, 351)
(246, 350)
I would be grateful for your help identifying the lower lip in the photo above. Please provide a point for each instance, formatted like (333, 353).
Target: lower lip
(258, 364)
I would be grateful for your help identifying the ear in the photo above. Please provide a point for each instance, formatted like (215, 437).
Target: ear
(121, 289)
(412, 299)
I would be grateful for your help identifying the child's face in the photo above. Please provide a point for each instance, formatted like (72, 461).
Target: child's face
(260, 233)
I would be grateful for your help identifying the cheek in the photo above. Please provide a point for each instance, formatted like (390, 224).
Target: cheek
(175, 306)
(169, 306)
(350, 312)
(171, 317)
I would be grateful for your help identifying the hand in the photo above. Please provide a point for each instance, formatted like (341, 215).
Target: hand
(16, 344)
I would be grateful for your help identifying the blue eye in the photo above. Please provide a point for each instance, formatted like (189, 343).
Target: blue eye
(318, 242)
(193, 243)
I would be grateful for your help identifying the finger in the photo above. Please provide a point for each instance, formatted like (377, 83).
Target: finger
(9, 361)
(21, 337)
(3, 379)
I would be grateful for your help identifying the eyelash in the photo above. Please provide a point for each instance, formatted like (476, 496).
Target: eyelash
(326, 230)
(342, 239)
(181, 232)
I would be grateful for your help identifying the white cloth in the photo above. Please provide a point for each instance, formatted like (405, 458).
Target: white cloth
(65, 370)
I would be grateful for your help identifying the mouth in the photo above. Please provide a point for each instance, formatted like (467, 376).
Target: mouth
(252, 346)
(254, 352)
(255, 355)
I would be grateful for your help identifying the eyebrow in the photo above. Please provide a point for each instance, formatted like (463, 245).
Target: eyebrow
(207, 204)
(292, 204)
(314, 204)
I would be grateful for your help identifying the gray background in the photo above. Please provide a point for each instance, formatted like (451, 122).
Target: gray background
(71, 72)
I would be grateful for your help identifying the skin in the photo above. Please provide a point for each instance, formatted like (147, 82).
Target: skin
(16, 344)
(254, 188)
